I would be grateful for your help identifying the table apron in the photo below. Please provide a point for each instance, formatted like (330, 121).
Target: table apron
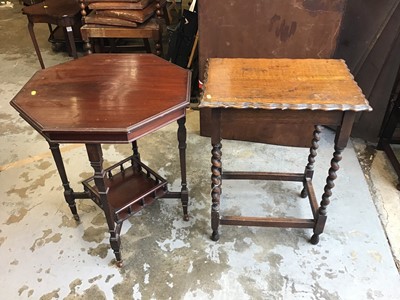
(110, 137)
(312, 117)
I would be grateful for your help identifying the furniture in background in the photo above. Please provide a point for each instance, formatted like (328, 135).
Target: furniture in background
(64, 14)
(123, 20)
(279, 91)
(65, 110)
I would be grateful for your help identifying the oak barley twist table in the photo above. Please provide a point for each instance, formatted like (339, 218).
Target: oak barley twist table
(280, 91)
(108, 99)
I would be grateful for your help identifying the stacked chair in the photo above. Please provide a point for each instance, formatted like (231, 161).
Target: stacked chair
(122, 19)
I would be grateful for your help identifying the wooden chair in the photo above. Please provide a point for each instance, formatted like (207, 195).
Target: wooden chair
(62, 13)
(151, 29)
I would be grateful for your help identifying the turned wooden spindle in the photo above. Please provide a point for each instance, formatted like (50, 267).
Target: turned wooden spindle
(309, 171)
(216, 188)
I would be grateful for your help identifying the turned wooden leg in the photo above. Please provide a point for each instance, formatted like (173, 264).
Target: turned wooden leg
(216, 172)
(309, 170)
(87, 47)
(321, 219)
(68, 191)
(95, 155)
(182, 157)
(158, 46)
(136, 155)
(35, 43)
(216, 188)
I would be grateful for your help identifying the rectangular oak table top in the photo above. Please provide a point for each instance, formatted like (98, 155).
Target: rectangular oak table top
(280, 84)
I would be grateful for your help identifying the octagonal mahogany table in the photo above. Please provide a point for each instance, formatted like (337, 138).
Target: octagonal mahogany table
(299, 92)
(110, 98)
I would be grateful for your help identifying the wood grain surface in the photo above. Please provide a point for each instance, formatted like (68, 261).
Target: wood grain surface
(294, 84)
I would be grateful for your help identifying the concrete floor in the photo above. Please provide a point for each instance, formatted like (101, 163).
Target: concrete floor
(46, 255)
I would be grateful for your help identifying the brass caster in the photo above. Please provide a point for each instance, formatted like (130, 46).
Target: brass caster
(119, 263)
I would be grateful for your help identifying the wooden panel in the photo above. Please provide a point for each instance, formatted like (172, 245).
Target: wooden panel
(370, 44)
(270, 29)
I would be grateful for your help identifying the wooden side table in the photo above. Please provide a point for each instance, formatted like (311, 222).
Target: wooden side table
(280, 91)
(110, 98)
(65, 14)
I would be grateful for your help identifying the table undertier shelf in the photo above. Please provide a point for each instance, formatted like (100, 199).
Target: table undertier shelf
(131, 186)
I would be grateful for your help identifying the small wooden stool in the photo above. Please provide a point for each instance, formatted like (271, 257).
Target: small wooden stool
(281, 91)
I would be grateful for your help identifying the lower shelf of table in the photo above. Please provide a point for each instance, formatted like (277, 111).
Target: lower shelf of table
(286, 222)
(131, 186)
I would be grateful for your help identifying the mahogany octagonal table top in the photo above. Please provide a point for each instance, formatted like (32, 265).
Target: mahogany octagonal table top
(104, 98)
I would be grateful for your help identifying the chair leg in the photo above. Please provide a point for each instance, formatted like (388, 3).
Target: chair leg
(158, 44)
(35, 44)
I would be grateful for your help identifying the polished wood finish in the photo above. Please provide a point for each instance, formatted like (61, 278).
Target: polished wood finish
(310, 92)
(122, 104)
(292, 84)
(63, 13)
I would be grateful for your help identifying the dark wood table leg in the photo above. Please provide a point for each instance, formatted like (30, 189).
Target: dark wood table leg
(309, 170)
(182, 158)
(71, 41)
(136, 155)
(35, 44)
(96, 161)
(216, 171)
(341, 139)
(68, 191)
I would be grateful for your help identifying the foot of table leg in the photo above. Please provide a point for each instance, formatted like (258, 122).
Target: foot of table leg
(314, 239)
(115, 242)
(185, 201)
(303, 193)
(119, 263)
(215, 236)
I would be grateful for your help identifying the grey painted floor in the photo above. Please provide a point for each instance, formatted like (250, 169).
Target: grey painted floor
(46, 255)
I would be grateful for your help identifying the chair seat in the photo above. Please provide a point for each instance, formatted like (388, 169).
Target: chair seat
(149, 30)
